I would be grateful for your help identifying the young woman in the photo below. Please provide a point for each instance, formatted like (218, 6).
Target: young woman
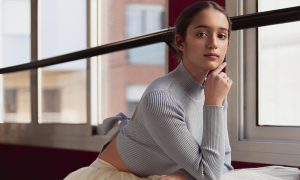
(179, 127)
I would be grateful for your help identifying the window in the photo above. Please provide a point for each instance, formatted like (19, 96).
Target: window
(63, 30)
(59, 103)
(52, 100)
(10, 100)
(51, 106)
(10, 105)
(120, 72)
(277, 69)
(15, 32)
(140, 20)
(15, 49)
(260, 128)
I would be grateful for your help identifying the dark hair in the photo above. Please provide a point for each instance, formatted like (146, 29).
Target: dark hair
(186, 16)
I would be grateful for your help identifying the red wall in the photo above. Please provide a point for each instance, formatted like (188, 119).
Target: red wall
(27, 162)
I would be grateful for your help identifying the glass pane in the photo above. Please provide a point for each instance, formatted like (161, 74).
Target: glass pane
(144, 19)
(134, 93)
(16, 98)
(63, 30)
(279, 64)
(126, 74)
(123, 84)
(130, 18)
(268, 5)
(15, 49)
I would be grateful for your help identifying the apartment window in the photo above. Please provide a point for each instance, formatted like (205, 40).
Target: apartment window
(51, 105)
(11, 106)
(52, 100)
(10, 101)
(264, 124)
(140, 20)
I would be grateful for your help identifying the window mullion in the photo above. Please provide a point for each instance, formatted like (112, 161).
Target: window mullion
(34, 57)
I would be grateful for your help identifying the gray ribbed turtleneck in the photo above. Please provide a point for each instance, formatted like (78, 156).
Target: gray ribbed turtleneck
(173, 130)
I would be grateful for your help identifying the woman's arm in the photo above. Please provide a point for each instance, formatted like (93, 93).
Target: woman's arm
(165, 121)
(181, 174)
(227, 160)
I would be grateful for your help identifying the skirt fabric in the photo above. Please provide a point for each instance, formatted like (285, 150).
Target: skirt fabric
(101, 170)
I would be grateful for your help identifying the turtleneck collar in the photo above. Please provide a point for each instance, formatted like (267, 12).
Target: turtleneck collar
(187, 82)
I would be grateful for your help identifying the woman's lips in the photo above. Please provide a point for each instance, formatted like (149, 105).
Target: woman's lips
(211, 55)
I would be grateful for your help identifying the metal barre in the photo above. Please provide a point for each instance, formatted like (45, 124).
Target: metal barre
(238, 22)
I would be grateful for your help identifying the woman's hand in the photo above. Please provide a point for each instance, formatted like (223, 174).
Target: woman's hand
(174, 176)
(216, 86)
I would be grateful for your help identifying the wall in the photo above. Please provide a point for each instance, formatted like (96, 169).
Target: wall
(28, 162)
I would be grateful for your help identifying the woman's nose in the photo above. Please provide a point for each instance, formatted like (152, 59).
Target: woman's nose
(212, 43)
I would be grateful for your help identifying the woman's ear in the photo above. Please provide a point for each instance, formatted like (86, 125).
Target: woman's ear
(179, 42)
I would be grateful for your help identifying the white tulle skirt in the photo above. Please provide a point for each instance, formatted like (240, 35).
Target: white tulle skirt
(101, 170)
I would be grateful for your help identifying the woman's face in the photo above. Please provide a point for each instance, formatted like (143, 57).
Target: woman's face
(206, 41)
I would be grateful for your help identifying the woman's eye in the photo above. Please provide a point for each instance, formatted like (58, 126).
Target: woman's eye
(222, 36)
(201, 34)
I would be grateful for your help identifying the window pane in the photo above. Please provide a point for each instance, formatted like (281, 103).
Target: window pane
(279, 64)
(126, 74)
(52, 100)
(10, 101)
(144, 19)
(15, 49)
(134, 93)
(123, 84)
(63, 30)
(130, 18)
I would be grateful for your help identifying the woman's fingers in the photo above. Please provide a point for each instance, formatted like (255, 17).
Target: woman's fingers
(219, 69)
(223, 75)
(216, 86)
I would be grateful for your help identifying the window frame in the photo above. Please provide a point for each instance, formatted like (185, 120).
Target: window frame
(71, 136)
(249, 142)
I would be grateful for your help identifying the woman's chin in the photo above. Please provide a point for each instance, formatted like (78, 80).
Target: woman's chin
(212, 66)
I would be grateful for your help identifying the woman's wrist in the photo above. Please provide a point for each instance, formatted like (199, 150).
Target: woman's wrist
(213, 103)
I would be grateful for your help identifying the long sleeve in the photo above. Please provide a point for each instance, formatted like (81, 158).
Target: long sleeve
(227, 160)
(165, 121)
